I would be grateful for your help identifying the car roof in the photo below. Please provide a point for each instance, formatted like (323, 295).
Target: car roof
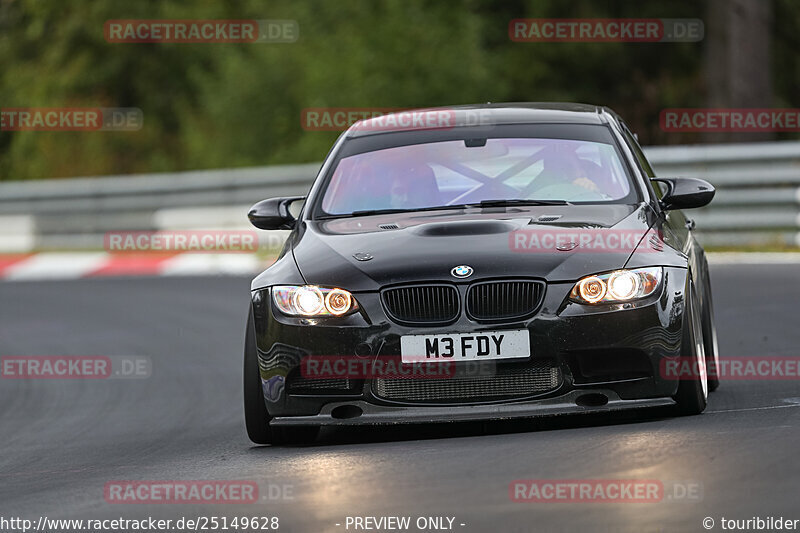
(493, 114)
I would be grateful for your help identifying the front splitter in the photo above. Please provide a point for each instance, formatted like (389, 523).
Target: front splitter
(372, 414)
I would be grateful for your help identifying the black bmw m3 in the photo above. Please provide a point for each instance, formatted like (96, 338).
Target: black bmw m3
(478, 262)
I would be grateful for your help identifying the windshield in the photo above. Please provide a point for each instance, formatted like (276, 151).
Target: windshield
(451, 173)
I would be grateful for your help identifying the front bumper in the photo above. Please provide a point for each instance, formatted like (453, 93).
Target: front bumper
(613, 351)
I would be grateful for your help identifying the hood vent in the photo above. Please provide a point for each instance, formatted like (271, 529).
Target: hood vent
(390, 225)
(465, 227)
(548, 218)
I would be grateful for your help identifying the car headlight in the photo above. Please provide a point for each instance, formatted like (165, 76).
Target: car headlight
(310, 300)
(617, 286)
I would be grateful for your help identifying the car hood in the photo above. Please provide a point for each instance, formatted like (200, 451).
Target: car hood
(426, 246)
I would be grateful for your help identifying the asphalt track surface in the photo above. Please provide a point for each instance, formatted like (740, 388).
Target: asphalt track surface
(62, 440)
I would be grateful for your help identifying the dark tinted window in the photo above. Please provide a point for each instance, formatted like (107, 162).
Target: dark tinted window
(644, 164)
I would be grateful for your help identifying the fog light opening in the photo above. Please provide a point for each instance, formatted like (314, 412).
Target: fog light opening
(591, 400)
(346, 411)
(363, 349)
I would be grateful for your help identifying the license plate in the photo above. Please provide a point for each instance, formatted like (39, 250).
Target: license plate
(485, 345)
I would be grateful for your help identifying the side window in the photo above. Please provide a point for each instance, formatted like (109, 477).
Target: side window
(658, 188)
(637, 151)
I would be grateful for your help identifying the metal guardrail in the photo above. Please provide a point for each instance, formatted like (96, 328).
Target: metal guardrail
(758, 192)
(76, 213)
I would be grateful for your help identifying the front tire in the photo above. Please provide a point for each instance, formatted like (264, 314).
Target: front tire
(710, 337)
(256, 417)
(692, 395)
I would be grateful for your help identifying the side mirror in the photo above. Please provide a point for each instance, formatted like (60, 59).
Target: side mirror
(273, 213)
(686, 193)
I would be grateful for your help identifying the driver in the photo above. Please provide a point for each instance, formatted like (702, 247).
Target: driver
(414, 187)
(564, 166)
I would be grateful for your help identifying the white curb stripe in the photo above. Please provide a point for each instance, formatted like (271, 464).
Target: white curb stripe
(56, 266)
(81, 265)
(194, 264)
(753, 258)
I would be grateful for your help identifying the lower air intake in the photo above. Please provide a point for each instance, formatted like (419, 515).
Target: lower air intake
(297, 384)
(508, 381)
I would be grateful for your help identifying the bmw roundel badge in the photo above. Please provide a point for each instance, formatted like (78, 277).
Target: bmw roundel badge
(462, 271)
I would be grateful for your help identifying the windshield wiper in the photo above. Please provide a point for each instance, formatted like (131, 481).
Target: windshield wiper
(484, 203)
(367, 212)
(520, 201)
